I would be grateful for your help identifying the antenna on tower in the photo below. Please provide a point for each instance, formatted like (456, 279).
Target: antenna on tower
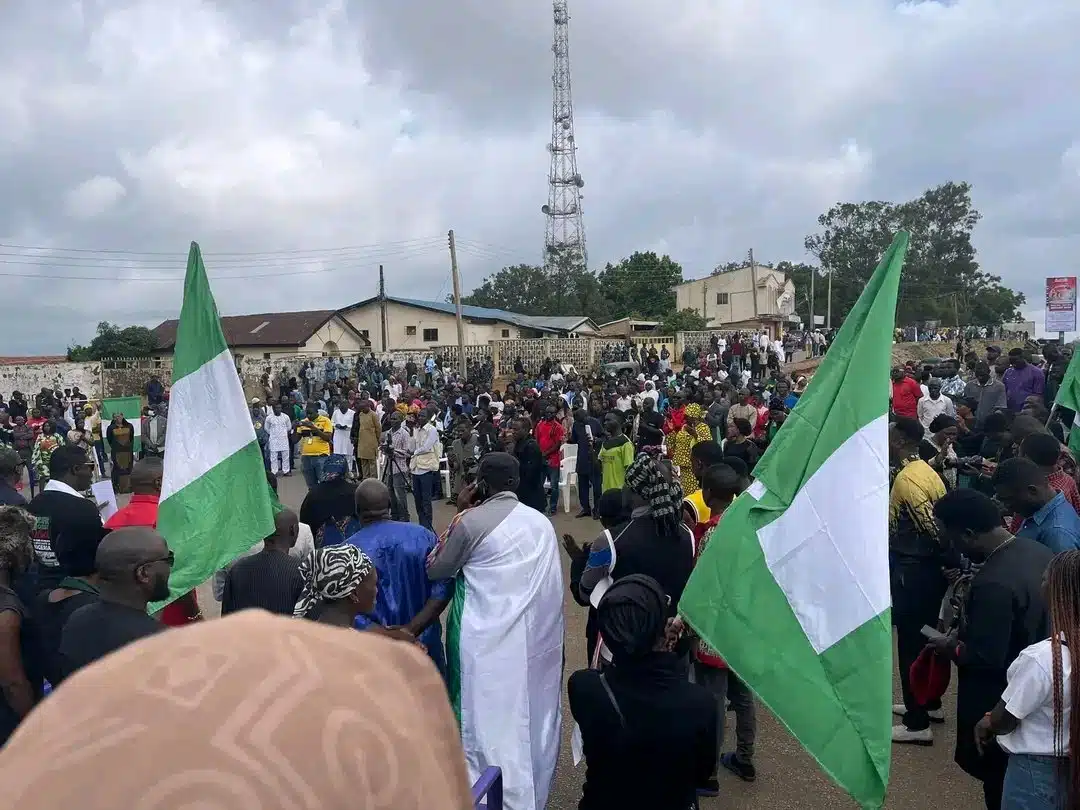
(565, 235)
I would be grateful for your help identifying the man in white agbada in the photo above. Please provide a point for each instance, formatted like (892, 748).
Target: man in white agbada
(277, 426)
(343, 421)
(504, 636)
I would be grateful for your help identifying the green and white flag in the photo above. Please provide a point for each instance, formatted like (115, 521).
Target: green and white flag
(215, 502)
(1068, 396)
(793, 589)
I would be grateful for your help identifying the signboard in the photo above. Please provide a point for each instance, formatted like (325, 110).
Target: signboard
(1061, 304)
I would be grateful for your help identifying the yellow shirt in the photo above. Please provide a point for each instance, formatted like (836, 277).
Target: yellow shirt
(312, 445)
(696, 502)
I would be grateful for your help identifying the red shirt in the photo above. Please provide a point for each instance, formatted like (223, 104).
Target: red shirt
(549, 435)
(676, 419)
(905, 398)
(142, 510)
(706, 654)
(1064, 484)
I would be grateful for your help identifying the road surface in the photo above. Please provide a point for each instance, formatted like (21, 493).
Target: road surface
(788, 779)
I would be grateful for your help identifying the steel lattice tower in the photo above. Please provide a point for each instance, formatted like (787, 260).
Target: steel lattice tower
(565, 235)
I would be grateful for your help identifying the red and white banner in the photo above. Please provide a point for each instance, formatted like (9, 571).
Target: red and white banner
(1061, 304)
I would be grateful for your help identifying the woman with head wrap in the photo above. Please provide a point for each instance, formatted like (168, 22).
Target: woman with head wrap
(272, 714)
(937, 448)
(340, 583)
(682, 442)
(654, 542)
(329, 507)
(649, 735)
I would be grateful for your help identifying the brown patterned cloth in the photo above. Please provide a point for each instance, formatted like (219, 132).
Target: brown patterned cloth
(249, 712)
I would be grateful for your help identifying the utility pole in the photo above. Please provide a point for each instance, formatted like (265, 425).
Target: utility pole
(382, 309)
(828, 303)
(956, 314)
(457, 305)
(753, 280)
(813, 274)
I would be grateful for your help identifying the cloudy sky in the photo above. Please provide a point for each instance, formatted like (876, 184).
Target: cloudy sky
(304, 142)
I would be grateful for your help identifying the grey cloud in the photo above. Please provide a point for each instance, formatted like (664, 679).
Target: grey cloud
(704, 128)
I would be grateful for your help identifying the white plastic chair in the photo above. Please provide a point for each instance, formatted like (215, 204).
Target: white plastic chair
(444, 472)
(567, 473)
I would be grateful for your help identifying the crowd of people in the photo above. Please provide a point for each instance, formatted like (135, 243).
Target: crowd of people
(984, 557)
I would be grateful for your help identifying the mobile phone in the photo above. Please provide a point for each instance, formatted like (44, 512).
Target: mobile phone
(931, 633)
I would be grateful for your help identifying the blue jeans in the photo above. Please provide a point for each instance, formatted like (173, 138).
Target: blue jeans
(312, 467)
(588, 481)
(423, 491)
(1033, 783)
(553, 475)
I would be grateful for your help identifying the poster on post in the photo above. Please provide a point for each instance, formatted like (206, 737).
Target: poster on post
(1061, 304)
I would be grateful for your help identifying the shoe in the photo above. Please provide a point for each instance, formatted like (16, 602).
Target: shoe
(583, 513)
(903, 734)
(744, 770)
(710, 787)
(936, 715)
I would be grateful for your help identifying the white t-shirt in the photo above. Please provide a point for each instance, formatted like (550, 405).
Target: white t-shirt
(623, 403)
(1029, 698)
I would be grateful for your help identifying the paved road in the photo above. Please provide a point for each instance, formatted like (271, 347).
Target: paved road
(788, 778)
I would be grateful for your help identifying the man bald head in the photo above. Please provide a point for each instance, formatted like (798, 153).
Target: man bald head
(372, 501)
(286, 530)
(146, 476)
(134, 563)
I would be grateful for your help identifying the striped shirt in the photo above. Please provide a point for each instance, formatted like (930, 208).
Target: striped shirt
(269, 580)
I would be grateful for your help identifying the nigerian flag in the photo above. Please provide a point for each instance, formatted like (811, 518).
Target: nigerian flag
(1068, 396)
(215, 502)
(793, 590)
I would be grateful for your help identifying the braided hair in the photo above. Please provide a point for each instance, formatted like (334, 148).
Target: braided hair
(1063, 596)
(661, 492)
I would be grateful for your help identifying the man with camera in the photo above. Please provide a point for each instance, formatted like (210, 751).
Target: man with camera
(395, 452)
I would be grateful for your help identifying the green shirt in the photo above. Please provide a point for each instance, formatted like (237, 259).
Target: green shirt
(613, 464)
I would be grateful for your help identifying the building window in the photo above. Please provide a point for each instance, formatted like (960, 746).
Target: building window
(721, 298)
(506, 333)
(431, 336)
(410, 331)
(266, 355)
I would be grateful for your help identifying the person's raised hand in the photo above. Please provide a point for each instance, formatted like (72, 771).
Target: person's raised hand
(466, 497)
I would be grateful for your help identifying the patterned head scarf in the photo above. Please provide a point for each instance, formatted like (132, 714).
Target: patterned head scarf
(270, 685)
(664, 496)
(694, 411)
(329, 573)
(333, 468)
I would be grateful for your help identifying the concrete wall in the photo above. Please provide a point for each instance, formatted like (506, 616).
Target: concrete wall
(32, 377)
(402, 320)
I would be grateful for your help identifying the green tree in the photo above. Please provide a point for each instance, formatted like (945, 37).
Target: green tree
(112, 340)
(521, 288)
(641, 285)
(942, 280)
(683, 320)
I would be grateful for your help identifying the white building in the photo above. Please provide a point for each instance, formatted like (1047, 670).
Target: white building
(278, 334)
(745, 298)
(408, 324)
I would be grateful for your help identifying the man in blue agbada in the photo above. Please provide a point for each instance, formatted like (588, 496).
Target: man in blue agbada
(407, 601)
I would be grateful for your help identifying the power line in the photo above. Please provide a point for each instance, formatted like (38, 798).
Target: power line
(418, 241)
(213, 277)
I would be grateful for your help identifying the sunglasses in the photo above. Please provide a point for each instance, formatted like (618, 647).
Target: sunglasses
(169, 559)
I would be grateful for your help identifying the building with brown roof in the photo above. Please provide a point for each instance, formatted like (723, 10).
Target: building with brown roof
(279, 334)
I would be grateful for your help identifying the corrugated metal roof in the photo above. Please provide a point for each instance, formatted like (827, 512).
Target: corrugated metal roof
(278, 329)
(543, 323)
(48, 359)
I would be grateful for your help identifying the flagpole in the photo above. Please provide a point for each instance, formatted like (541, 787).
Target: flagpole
(1050, 418)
